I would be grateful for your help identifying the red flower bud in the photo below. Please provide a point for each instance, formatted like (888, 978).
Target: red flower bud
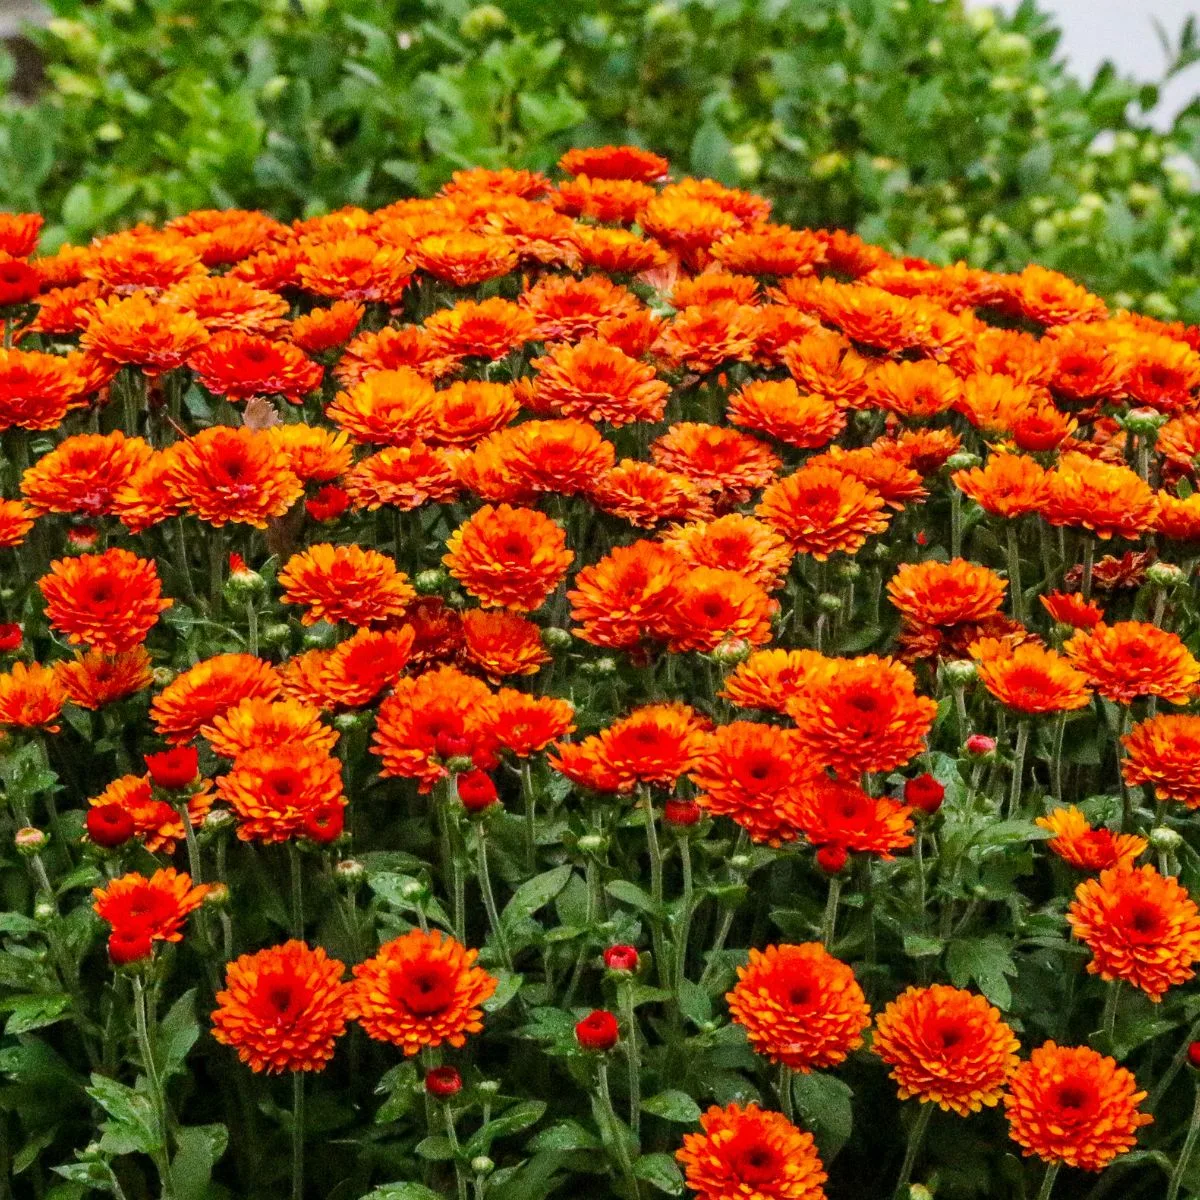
(476, 790)
(598, 1031)
(924, 793)
(82, 537)
(1193, 1053)
(621, 958)
(681, 812)
(443, 1082)
(325, 823)
(175, 768)
(129, 946)
(980, 743)
(452, 745)
(10, 637)
(109, 825)
(832, 858)
(328, 504)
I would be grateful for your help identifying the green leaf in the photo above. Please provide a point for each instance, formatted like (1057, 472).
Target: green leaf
(711, 154)
(513, 1120)
(985, 960)
(509, 985)
(660, 1171)
(436, 1149)
(198, 1150)
(177, 1034)
(673, 1105)
(917, 945)
(403, 1191)
(36, 1012)
(132, 1126)
(826, 1104)
(694, 1002)
(629, 893)
(567, 1135)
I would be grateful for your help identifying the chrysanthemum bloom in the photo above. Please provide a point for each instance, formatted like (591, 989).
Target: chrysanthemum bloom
(389, 349)
(344, 583)
(238, 365)
(914, 390)
(110, 601)
(420, 710)
(1159, 372)
(713, 285)
(358, 669)
(714, 606)
(467, 411)
(354, 268)
(753, 774)
(718, 459)
(770, 250)
(564, 308)
(258, 724)
(66, 309)
(509, 557)
(1077, 843)
(314, 454)
(141, 260)
(387, 408)
(487, 329)
(19, 232)
(617, 251)
(799, 1006)
(31, 697)
(157, 906)
(16, 520)
(705, 337)
(562, 456)
(862, 714)
(823, 362)
(1069, 1104)
(404, 477)
(1029, 678)
(155, 821)
(643, 494)
(283, 1008)
(1141, 927)
(36, 389)
(147, 498)
(1050, 298)
(1164, 751)
(464, 258)
(1178, 519)
(523, 724)
(614, 162)
(93, 679)
(242, 475)
(946, 1046)
(777, 408)
(625, 597)
(223, 302)
(273, 792)
(1070, 608)
(201, 693)
(837, 813)
(747, 1153)
(155, 337)
(823, 510)
(1008, 485)
(610, 200)
(734, 542)
(83, 473)
(768, 679)
(1134, 658)
(499, 643)
(422, 989)
(925, 451)
(950, 593)
(1107, 498)
(598, 382)
(326, 328)
(888, 475)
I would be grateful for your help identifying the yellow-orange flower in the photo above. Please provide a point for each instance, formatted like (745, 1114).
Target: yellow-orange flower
(1164, 752)
(1029, 678)
(1077, 843)
(625, 597)
(768, 679)
(500, 643)
(778, 409)
(16, 520)
(83, 473)
(594, 381)
(345, 583)
(196, 697)
(275, 792)
(358, 669)
(1107, 498)
(136, 329)
(93, 679)
(31, 697)
(713, 606)
(950, 593)
(256, 723)
(1008, 485)
(823, 510)
(1134, 658)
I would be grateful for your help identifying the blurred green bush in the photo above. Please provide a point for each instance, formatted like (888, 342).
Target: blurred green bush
(948, 134)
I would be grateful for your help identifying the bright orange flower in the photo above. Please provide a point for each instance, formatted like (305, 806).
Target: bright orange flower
(1070, 608)
(836, 812)
(141, 260)
(283, 1008)
(1107, 498)
(1164, 751)
(501, 643)
(777, 327)
(553, 456)
(770, 250)
(884, 474)
(466, 412)
(768, 679)
(196, 696)
(594, 381)
(616, 201)
(1050, 298)
(67, 309)
(1008, 485)
(227, 235)
(799, 1006)
(1028, 677)
(946, 1046)
(1159, 372)
(136, 329)
(1077, 843)
(358, 669)
(626, 596)
(463, 258)
(923, 450)
(93, 679)
(16, 520)
(157, 907)
(1141, 927)
(644, 495)
(1178, 519)
(110, 601)
(36, 389)
(862, 714)
(223, 474)
(1179, 440)
(617, 251)
(302, 678)
(824, 363)
(389, 349)
(704, 337)
(239, 365)
(256, 723)
(326, 328)
(313, 453)
(950, 593)
(823, 510)
(687, 225)
(19, 233)
(224, 302)
(1069, 1104)
(913, 390)
(83, 473)
(565, 308)
(405, 477)
(749, 1154)
(719, 460)
(354, 268)
(734, 543)
(422, 989)
(155, 821)
(778, 409)
(505, 181)
(276, 792)
(147, 498)
(712, 286)
(387, 408)
(523, 724)
(344, 583)
(487, 329)
(1134, 658)
(31, 697)
(714, 606)
(615, 162)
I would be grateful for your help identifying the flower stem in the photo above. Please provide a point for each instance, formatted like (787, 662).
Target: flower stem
(489, 900)
(614, 1128)
(158, 1098)
(685, 916)
(632, 1055)
(1110, 1010)
(1048, 1181)
(784, 1088)
(829, 923)
(1089, 555)
(530, 800)
(252, 624)
(452, 1135)
(1014, 574)
(656, 887)
(297, 1135)
(915, 1140)
(1189, 1144)
(1018, 769)
(297, 891)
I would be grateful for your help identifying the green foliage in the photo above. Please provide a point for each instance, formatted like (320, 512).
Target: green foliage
(945, 134)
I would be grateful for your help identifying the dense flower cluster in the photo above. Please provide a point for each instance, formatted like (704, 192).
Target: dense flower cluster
(521, 598)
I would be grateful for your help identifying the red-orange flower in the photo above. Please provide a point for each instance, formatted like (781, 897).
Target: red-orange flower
(1077, 843)
(625, 597)
(83, 473)
(713, 606)
(1134, 658)
(283, 1008)
(358, 669)
(1028, 677)
(778, 409)
(405, 477)
(345, 583)
(422, 989)
(523, 724)
(16, 520)
(136, 329)
(768, 679)
(950, 593)
(275, 792)
(838, 813)
(946, 1046)
(1164, 751)
(160, 825)
(201, 693)
(719, 460)
(1070, 608)
(354, 268)
(37, 389)
(485, 329)
(823, 510)
(499, 643)
(595, 381)
(1008, 485)
(734, 543)
(259, 724)
(93, 679)
(31, 697)
(614, 162)
(1107, 498)
(238, 365)
(157, 907)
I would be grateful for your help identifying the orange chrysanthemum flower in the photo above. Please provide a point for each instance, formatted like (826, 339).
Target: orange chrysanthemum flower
(719, 460)
(778, 409)
(313, 453)
(768, 679)
(747, 1153)
(1008, 485)
(155, 821)
(824, 363)
(925, 451)
(404, 477)
(1107, 498)
(136, 329)
(31, 697)
(110, 601)
(156, 907)
(141, 260)
(275, 793)
(508, 557)
(259, 724)
(16, 520)
(1069, 1104)
(734, 543)
(1070, 608)
(201, 693)
(389, 349)
(823, 510)
(1164, 752)
(1178, 519)
(501, 643)
(1029, 678)
(950, 593)
(946, 1046)
(345, 583)
(422, 989)
(147, 497)
(616, 201)
(1077, 843)
(83, 473)
(326, 328)
(644, 495)
(488, 329)
(888, 475)
(770, 250)
(239, 365)
(36, 389)
(283, 1008)
(564, 308)
(626, 596)
(463, 258)
(354, 268)
(799, 1006)
(617, 251)
(836, 812)
(224, 302)
(466, 412)
(563, 456)
(594, 381)
(615, 162)
(1141, 927)
(712, 286)
(1134, 658)
(358, 669)
(913, 390)
(523, 724)
(705, 337)
(93, 679)
(713, 606)
(862, 714)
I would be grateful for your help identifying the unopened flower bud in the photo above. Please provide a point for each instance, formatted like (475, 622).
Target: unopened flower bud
(1164, 839)
(477, 791)
(456, 601)
(621, 958)
(730, 652)
(924, 793)
(217, 895)
(162, 676)
(1164, 574)
(488, 1087)
(555, 638)
(348, 722)
(482, 1165)
(482, 21)
(443, 1082)
(827, 602)
(215, 822)
(30, 841)
(963, 461)
(600, 666)
(349, 873)
(593, 843)
(959, 672)
(278, 633)
(321, 636)
(44, 911)
(1193, 1054)
(127, 947)
(430, 582)
(598, 1031)
(831, 859)
(10, 637)
(414, 891)
(1143, 422)
(174, 769)
(979, 745)
(242, 582)
(458, 763)
(848, 571)
(740, 862)
(681, 814)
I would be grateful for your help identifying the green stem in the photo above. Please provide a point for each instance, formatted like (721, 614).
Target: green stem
(656, 887)
(1018, 769)
(614, 1128)
(489, 900)
(915, 1140)
(297, 1135)
(784, 1087)
(452, 1134)
(1048, 1181)
(685, 916)
(1089, 556)
(956, 524)
(1189, 1143)
(1176, 1065)
(252, 622)
(632, 1055)
(527, 795)
(1110, 1010)
(158, 1098)
(297, 891)
(1014, 574)
(829, 922)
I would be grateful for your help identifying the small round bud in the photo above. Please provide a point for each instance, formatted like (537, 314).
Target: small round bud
(1143, 422)
(10, 637)
(598, 1031)
(430, 582)
(82, 538)
(730, 652)
(593, 843)
(44, 911)
(600, 666)
(217, 895)
(218, 820)
(979, 745)
(482, 1165)
(243, 582)
(1164, 574)
(1165, 839)
(960, 672)
(109, 825)
(918, 1191)
(488, 1087)
(555, 638)
(1193, 1054)
(278, 633)
(129, 946)
(324, 824)
(740, 862)
(414, 891)
(349, 873)
(924, 793)
(456, 601)
(348, 722)
(162, 676)
(621, 958)
(174, 769)
(321, 636)
(849, 571)
(681, 814)
(963, 461)
(831, 859)
(30, 841)
(443, 1082)
(477, 791)
(481, 21)
(827, 602)
(459, 763)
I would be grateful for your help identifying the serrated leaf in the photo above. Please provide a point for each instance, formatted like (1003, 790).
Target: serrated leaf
(660, 1171)
(826, 1104)
(987, 961)
(36, 1012)
(673, 1105)
(567, 1135)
